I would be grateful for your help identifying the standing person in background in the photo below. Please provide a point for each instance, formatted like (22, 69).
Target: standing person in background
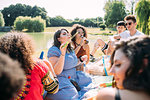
(130, 65)
(64, 60)
(130, 22)
(11, 77)
(80, 42)
(19, 46)
(107, 48)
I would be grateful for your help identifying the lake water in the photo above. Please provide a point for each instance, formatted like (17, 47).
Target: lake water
(44, 40)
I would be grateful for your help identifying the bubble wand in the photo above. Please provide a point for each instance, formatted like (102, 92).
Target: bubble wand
(71, 39)
(104, 66)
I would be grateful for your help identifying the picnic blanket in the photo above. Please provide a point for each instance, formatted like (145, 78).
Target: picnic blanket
(94, 87)
(97, 72)
(97, 68)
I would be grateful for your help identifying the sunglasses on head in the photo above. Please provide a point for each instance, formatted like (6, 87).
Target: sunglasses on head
(130, 23)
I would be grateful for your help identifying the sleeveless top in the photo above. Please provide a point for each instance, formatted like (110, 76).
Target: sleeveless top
(81, 52)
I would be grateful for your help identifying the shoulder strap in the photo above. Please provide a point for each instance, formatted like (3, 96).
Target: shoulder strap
(117, 95)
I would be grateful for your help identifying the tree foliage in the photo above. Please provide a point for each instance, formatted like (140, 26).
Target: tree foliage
(115, 11)
(143, 13)
(13, 11)
(36, 24)
(1, 20)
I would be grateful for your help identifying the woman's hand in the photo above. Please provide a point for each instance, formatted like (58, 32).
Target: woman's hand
(83, 40)
(63, 48)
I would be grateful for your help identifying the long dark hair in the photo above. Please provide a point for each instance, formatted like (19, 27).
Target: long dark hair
(136, 50)
(57, 42)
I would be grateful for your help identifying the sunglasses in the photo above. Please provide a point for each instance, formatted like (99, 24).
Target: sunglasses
(130, 23)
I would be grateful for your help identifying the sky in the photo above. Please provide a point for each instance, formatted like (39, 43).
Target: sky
(69, 9)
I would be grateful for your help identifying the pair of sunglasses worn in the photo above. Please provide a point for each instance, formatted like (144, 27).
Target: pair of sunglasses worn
(130, 23)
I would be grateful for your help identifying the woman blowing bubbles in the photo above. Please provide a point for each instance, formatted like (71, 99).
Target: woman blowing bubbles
(131, 70)
(64, 61)
(80, 41)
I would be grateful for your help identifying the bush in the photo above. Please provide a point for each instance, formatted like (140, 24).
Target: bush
(1, 20)
(103, 26)
(36, 24)
(18, 23)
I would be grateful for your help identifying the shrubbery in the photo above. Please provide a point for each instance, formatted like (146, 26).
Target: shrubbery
(36, 24)
(1, 20)
(103, 26)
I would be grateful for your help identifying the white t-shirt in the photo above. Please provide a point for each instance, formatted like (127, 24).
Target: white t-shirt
(126, 34)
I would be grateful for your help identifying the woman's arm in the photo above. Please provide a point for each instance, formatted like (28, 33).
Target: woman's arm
(87, 49)
(57, 63)
(106, 94)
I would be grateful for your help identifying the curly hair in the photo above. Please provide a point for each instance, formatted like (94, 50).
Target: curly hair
(18, 46)
(74, 30)
(136, 50)
(11, 77)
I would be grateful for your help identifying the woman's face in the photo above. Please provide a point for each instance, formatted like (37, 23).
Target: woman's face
(64, 36)
(119, 67)
(80, 34)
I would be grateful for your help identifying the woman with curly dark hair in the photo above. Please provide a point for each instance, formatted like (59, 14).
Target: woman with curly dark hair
(130, 65)
(19, 46)
(80, 42)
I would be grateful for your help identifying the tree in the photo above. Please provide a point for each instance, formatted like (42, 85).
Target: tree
(115, 11)
(13, 11)
(59, 21)
(88, 22)
(143, 13)
(36, 24)
(130, 6)
(1, 20)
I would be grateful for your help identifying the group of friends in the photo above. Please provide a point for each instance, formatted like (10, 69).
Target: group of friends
(24, 77)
